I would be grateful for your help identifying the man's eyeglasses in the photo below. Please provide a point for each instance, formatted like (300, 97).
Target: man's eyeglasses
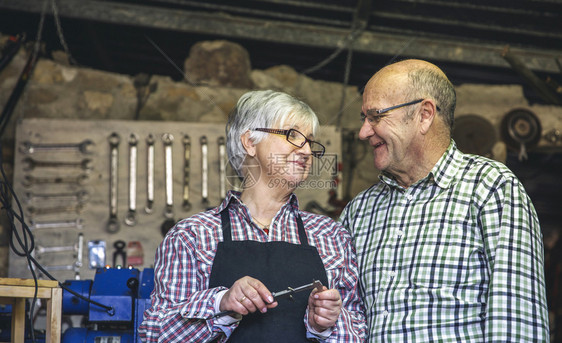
(384, 110)
(298, 139)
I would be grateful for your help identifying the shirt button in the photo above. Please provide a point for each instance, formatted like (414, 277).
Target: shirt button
(385, 313)
(391, 274)
(400, 233)
(409, 197)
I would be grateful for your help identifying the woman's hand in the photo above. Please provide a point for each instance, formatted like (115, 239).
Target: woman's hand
(324, 308)
(247, 295)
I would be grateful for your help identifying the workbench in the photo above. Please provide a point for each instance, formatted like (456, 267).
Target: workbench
(15, 292)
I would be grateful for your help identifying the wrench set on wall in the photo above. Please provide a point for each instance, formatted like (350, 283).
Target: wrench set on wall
(88, 185)
(55, 178)
(129, 181)
(131, 218)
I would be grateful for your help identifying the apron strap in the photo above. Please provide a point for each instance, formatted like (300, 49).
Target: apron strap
(225, 222)
(302, 232)
(227, 234)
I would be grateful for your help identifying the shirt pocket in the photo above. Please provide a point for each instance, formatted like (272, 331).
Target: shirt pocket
(334, 265)
(445, 256)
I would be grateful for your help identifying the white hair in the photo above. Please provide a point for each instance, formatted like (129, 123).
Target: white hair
(263, 109)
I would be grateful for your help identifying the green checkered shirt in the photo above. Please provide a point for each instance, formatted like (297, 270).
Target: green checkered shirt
(456, 257)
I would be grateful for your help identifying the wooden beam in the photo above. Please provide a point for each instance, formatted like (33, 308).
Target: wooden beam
(234, 27)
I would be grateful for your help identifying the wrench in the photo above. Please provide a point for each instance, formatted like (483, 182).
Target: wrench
(80, 197)
(76, 265)
(34, 211)
(30, 164)
(168, 139)
(28, 180)
(169, 212)
(204, 172)
(82, 147)
(222, 168)
(187, 155)
(61, 248)
(113, 224)
(38, 225)
(130, 218)
(149, 174)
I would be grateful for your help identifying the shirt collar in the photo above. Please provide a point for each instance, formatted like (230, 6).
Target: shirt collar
(446, 168)
(234, 198)
(442, 174)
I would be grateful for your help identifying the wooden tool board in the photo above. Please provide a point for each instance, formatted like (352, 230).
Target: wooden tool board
(95, 185)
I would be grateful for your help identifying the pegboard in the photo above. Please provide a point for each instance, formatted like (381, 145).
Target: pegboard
(70, 200)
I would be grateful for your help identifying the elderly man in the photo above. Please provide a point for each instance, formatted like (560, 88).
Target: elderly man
(448, 244)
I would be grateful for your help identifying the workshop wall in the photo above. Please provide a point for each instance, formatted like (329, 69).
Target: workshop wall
(59, 91)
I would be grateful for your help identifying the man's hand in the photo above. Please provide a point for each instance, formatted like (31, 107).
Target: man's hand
(324, 308)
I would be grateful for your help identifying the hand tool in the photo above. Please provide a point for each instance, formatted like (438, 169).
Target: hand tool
(131, 217)
(169, 211)
(29, 181)
(74, 266)
(80, 197)
(83, 147)
(40, 211)
(119, 253)
(287, 293)
(57, 224)
(149, 174)
(39, 249)
(113, 224)
(290, 291)
(204, 172)
(186, 205)
(30, 164)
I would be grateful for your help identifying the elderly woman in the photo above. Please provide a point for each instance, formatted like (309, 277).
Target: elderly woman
(216, 271)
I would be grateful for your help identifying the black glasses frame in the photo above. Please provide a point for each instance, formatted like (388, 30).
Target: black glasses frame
(287, 133)
(384, 110)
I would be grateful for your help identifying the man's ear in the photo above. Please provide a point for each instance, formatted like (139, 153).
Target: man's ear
(248, 144)
(427, 115)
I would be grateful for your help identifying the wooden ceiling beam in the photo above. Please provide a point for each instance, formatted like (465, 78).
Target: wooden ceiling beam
(235, 27)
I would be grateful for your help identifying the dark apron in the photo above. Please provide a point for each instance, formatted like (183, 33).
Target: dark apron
(278, 265)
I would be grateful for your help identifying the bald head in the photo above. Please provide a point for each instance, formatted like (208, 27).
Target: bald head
(409, 65)
(413, 79)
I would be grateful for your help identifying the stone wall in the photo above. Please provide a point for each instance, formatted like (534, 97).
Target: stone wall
(57, 90)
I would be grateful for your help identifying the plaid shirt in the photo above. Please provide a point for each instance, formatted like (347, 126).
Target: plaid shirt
(456, 257)
(182, 301)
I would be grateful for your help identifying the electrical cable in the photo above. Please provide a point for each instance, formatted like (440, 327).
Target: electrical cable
(27, 248)
(31, 62)
(60, 33)
(347, 42)
(27, 244)
(24, 76)
(4, 119)
(10, 50)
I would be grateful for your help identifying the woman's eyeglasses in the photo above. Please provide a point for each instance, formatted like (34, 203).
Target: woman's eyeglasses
(297, 139)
